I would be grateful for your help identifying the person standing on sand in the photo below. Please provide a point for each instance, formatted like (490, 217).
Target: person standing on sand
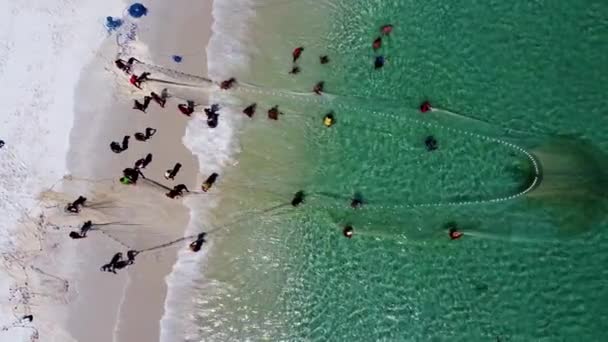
(117, 148)
(171, 173)
(145, 136)
(83, 231)
(130, 176)
(186, 109)
(143, 77)
(118, 263)
(111, 266)
(164, 94)
(133, 80)
(75, 206)
(142, 106)
(143, 162)
(177, 191)
(158, 99)
(125, 66)
(138, 80)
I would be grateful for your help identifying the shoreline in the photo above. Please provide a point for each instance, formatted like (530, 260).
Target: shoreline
(139, 300)
(213, 302)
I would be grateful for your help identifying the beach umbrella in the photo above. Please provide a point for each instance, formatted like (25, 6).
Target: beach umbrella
(137, 10)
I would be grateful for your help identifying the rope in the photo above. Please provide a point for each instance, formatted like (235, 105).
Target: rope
(115, 223)
(157, 184)
(245, 217)
(37, 269)
(477, 120)
(168, 244)
(115, 239)
(528, 155)
(169, 71)
(173, 83)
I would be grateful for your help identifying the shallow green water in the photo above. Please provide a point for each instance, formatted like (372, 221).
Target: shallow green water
(530, 75)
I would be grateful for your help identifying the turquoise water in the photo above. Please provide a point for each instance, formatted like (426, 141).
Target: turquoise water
(516, 81)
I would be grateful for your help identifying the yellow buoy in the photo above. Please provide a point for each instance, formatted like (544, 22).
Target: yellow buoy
(328, 120)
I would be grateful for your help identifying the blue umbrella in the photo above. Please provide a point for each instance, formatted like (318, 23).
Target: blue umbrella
(138, 10)
(177, 59)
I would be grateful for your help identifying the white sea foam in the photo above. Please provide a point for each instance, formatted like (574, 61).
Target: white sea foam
(227, 56)
(44, 44)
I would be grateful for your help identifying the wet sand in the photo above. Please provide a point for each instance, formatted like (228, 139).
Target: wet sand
(129, 305)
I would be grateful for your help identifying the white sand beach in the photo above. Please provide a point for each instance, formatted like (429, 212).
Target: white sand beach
(100, 306)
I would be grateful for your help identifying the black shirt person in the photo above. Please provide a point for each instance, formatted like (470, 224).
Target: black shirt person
(431, 143)
(177, 191)
(131, 176)
(298, 198)
(83, 231)
(196, 245)
(145, 136)
(75, 206)
(117, 148)
(171, 173)
(250, 110)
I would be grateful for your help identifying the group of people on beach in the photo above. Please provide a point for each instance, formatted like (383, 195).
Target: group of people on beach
(131, 175)
(160, 99)
(118, 262)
